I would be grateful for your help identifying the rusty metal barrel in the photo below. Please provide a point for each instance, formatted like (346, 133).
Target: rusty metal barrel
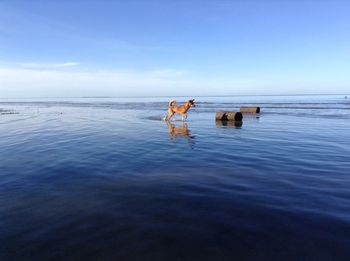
(228, 116)
(246, 109)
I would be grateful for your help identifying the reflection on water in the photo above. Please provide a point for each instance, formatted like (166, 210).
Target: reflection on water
(230, 124)
(180, 132)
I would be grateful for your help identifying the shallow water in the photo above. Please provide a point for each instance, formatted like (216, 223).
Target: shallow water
(107, 179)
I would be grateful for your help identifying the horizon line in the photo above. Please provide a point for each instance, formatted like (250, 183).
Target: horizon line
(167, 96)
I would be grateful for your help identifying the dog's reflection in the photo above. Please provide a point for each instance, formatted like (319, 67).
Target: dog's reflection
(180, 132)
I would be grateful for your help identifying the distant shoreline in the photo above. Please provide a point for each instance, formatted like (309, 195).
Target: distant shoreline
(179, 96)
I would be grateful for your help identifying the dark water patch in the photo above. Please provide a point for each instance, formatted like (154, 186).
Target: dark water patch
(154, 118)
(7, 111)
(169, 215)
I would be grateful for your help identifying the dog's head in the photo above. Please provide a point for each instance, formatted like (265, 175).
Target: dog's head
(191, 102)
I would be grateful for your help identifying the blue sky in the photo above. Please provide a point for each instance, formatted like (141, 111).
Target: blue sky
(141, 48)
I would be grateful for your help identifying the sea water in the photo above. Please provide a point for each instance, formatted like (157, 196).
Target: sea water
(107, 179)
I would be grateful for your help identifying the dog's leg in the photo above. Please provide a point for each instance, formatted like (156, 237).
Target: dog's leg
(169, 114)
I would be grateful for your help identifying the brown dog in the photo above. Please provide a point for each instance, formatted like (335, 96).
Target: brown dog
(182, 109)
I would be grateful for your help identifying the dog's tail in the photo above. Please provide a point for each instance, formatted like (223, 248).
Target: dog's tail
(172, 102)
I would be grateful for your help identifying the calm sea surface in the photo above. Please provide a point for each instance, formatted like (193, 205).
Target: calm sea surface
(107, 179)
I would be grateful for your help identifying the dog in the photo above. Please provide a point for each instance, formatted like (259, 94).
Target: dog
(181, 109)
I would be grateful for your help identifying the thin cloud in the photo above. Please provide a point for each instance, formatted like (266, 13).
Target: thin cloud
(49, 65)
(33, 82)
(26, 82)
